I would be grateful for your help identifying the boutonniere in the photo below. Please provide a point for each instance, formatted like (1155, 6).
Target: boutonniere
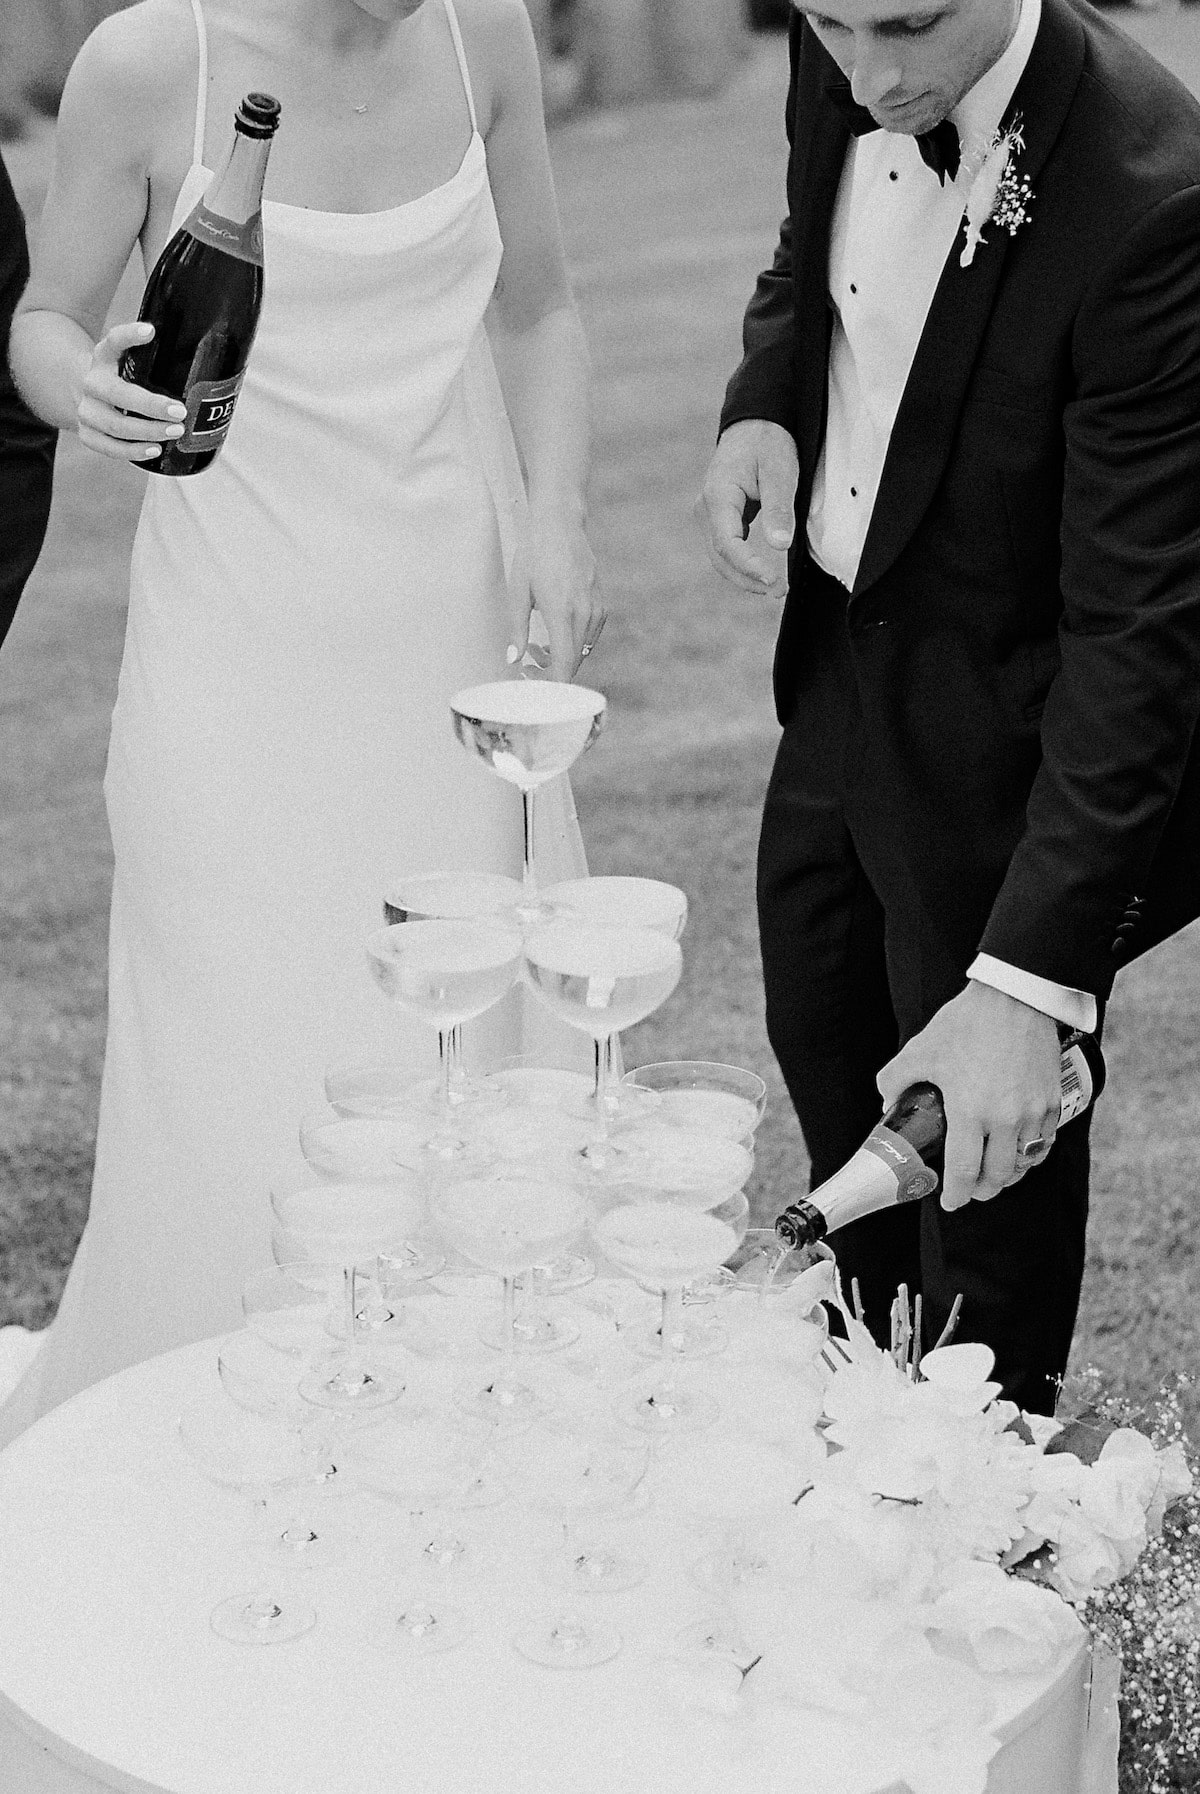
(998, 194)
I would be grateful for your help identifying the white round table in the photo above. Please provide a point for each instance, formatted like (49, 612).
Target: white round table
(114, 1550)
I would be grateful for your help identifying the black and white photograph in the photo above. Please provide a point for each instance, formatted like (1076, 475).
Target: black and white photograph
(599, 897)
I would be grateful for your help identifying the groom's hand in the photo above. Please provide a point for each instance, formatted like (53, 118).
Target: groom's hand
(755, 463)
(997, 1065)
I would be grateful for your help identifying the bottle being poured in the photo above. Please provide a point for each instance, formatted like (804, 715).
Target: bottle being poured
(901, 1159)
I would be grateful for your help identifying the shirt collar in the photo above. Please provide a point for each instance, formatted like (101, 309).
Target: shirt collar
(979, 112)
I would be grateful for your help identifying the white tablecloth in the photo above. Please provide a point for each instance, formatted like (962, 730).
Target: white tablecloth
(114, 1549)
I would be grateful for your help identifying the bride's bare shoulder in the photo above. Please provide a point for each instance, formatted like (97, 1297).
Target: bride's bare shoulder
(500, 47)
(137, 56)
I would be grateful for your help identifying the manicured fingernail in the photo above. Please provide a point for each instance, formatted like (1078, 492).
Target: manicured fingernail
(513, 654)
(179, 411)
(174, 429)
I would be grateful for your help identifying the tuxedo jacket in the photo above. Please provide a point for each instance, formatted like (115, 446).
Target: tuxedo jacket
(1026, 617)
(26, 445)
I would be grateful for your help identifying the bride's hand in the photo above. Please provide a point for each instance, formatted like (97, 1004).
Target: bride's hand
(117, 418)
(563, 587)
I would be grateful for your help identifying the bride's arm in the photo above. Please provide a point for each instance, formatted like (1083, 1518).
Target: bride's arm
(63, 363)
(541, 355)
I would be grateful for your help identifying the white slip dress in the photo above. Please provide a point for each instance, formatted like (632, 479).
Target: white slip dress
(299, 616)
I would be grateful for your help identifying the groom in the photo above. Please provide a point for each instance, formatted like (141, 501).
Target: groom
(985, 456)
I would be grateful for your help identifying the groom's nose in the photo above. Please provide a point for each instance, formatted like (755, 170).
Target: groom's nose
(874, 74)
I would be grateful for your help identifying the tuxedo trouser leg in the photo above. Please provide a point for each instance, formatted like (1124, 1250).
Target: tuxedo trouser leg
(1018, 1263)
(850, 960)
(830, 1019)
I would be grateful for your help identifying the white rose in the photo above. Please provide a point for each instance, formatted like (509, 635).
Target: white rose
(1084, 1561)
(1010, 1626)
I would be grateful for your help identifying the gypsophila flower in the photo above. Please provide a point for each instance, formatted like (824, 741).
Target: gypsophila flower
(998, 194)
(1152, 1618)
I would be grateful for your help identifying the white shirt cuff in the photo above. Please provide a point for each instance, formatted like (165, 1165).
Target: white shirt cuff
(1076, 1008)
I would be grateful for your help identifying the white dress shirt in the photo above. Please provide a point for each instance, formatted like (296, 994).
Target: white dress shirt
(894, 226)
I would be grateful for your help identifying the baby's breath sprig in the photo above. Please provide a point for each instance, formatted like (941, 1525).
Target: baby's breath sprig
(1151, 1617)
(998, 194)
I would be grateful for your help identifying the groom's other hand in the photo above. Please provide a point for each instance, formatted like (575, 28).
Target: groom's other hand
(997, 1064)
(754, 465)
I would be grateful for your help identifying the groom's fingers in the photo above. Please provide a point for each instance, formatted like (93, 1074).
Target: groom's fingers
(754, 465)
(720, 510)
(963, 1164)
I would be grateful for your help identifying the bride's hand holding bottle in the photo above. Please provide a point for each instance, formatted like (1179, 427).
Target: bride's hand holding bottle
(114, 417)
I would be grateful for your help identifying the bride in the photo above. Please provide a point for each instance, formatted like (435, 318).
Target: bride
(301, 612)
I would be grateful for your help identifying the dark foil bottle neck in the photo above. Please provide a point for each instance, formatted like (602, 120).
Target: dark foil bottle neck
(258, 115)
(237, 191)
(802, 1224)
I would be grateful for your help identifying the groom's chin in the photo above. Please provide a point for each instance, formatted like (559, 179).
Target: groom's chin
(909, 119)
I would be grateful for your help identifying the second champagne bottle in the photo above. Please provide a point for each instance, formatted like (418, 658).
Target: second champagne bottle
(204, 296)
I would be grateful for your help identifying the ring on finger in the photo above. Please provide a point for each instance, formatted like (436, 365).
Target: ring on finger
(1032, 1151)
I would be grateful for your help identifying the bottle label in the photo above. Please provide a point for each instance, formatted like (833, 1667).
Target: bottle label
(210, 406)
(913, 1177)
(1076, 1084)
(245, 241)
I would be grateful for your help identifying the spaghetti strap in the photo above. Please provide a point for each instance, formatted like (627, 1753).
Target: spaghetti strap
(456, 34)
(201, 85)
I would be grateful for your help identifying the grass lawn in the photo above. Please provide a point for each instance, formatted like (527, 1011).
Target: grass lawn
(669, 210)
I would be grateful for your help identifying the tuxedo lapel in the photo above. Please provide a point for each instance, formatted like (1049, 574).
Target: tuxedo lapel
(822, 138)
(962, 305)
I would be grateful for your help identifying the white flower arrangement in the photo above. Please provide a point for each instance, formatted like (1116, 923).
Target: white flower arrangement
(997, 194)
(943, 1540)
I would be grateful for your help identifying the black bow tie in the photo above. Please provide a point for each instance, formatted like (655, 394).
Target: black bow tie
(939, 149)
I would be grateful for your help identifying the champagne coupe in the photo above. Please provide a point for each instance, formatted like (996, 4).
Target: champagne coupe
(709, 1098)
(608, 902)
(346, 1225)
(737, 1491)
(444, 973)
(674, 1164)
(575, 1477)
(546, 1122)
(360, 1147)
(429, 897)
(419, 1468)
(601, 980)
(451, 897)
(538, 1328)
(663, 1246)
(255, 1456)
(506, 1225)
(263, 1378)
(528, 731)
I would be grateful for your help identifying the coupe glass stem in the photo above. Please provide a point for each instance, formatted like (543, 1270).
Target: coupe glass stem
(672, 1321)
(451, 1047)
(445, 1051)
(508, 1328)
(353, 1369)
(528, 878)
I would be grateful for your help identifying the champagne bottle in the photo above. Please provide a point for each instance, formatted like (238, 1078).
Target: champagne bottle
(204, 296)
(901, 1159)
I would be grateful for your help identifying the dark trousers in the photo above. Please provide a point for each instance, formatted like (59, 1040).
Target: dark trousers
(857, 958)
